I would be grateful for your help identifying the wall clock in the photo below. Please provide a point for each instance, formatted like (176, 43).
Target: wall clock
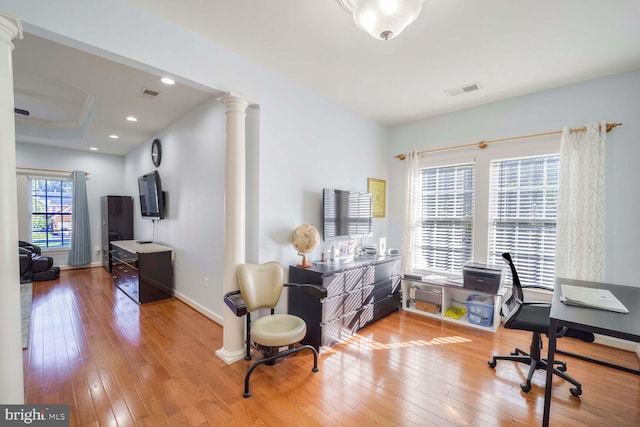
(156, 152)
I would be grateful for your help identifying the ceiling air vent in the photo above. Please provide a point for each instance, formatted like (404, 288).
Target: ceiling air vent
(464, 89)
(148, 93)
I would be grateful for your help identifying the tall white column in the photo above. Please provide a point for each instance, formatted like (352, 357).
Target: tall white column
(234, 221)
(11, 375)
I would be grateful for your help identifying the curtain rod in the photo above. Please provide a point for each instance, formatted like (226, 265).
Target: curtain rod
(20, 169)
(485, 144)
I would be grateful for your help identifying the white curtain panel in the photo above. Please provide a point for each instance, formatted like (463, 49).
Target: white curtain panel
(581, 227)
(411, 214)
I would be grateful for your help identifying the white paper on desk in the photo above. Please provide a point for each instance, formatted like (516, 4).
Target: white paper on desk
(601, 299)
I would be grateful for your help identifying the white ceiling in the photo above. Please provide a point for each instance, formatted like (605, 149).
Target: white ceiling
(76, 100)
(509, 47)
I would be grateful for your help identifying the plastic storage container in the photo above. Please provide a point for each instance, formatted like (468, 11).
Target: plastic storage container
(480, 309)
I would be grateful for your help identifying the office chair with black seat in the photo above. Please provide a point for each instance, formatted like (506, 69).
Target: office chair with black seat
(533, 316)
(276, 336)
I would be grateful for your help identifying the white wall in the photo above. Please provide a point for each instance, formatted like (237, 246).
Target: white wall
(105, 178)
(192, 174)
(614, 99)
(307, 144)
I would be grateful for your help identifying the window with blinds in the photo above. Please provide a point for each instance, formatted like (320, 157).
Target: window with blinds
(522, 218)
(445, 230)
(51, 212)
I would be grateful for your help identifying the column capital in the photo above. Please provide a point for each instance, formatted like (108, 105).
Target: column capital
(234, 102)
(10, 27)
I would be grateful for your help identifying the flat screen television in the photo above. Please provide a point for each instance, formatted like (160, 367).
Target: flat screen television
(346, 214)
(151, 196)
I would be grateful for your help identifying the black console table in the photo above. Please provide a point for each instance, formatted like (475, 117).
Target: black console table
(358, 293)
(142, 271)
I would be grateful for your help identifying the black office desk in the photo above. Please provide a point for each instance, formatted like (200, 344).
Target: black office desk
(618, 325)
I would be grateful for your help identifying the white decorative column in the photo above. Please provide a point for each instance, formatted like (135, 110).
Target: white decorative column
(11, 375)
(234, 221)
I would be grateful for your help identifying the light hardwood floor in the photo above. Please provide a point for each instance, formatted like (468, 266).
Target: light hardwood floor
(117, 363)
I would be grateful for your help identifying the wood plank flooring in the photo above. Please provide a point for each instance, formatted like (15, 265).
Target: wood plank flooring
(119, 364)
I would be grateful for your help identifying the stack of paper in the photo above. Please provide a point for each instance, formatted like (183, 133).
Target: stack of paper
(601, 299)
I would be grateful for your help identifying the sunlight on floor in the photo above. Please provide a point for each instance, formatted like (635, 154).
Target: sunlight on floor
(357, 342)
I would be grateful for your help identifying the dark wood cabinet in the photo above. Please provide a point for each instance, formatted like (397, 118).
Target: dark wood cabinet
(358, 294)
(117, 224)
(143, 271)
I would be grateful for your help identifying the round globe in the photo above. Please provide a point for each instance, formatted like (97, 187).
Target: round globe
(305, 239)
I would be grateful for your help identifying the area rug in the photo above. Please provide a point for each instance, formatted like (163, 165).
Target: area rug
(26, 290)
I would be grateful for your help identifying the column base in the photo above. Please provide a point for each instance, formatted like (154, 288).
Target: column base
(230, 357)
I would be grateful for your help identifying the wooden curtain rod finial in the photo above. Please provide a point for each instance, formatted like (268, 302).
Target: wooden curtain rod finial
(612, 125)
(400, 156)
(483, 144)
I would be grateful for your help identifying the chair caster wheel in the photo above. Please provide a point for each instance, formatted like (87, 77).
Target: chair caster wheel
(525, 387)
(246, 394)
(575, 391)
(492, 363)
(562, 368)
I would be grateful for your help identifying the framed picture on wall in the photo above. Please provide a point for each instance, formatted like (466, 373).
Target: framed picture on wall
(378, 189)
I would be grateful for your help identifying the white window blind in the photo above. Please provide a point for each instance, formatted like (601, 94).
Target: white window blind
(523, 210)
(51, 211)
(445, 231)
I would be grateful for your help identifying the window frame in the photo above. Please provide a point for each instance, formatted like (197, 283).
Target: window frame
(436, 220)
(482, 158)
(31, 213)
(545, 281)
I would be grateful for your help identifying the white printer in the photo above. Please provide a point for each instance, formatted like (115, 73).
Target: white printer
(482, 277)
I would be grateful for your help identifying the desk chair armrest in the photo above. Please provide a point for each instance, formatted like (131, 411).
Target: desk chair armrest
(234, 301)
(315, 290)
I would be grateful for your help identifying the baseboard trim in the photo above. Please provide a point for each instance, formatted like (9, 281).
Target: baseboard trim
(618, 343)
(631, 346)
(198, 307)
(73, 267)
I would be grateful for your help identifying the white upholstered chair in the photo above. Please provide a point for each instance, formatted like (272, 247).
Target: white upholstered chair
(276, 335)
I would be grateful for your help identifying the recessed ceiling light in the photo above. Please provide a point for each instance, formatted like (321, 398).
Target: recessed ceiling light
(167, 81)
(114, 136)
(132, 118)
(93, 148)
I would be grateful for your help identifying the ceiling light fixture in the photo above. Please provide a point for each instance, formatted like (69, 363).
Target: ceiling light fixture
(167, 81)
(93, 148)
(114, 136)
(383, 19)
(132, 118)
